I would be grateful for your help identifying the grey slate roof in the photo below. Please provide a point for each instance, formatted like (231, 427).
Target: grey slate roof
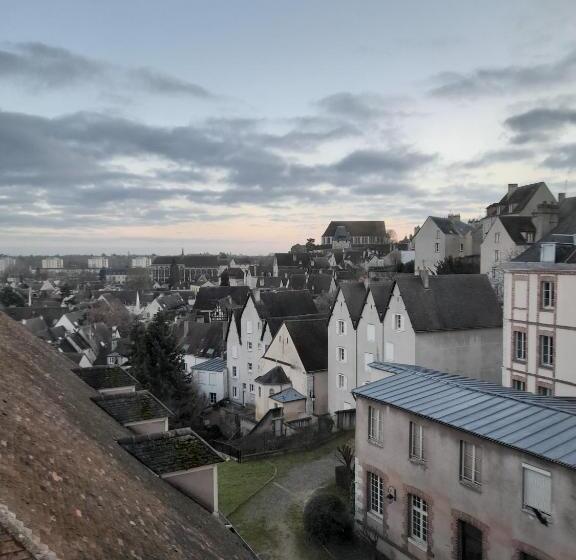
(297, 281)
(132, 407)
(452, 302)
(354, 294)
(215, 364)
(541, 426)
(310, 338)
(207, 298)
(172, 451)
(451, 227)
(274, 323)
(381, 292)
(275, 376)
(287, 303)
(105, 377)
(368, 227)
(288, 395)
(516, 226)
(520, 197)
(204, 340)
(319, 283)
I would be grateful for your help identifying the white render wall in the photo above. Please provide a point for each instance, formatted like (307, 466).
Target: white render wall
(425, 255)
(211, 382)
(522, 311)
(506, 247)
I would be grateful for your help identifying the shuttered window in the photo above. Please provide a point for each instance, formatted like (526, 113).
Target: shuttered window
(375, 425)
(537, 489)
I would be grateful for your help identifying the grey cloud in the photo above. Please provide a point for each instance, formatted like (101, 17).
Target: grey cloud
(361, 106)
(499, 156)
(563, 157)
(537, 124)
(391, 161)
(43, 66)
(506, 79)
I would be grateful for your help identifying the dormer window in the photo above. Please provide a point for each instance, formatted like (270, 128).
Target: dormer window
(529, 236)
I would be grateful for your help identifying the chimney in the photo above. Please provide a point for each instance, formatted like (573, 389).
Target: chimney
(256, 293)
(561, 197)
(511, 188)
(454, 217)
(545, 218)
(425, 277)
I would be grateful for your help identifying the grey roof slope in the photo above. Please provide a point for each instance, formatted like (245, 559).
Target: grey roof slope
(172, 451)
(310, 338)
(381, 292)
(215, 364)
(373, 228)
(287, 303)
(274, 323)
(297, 281)
(521, 196)
(540, 426)
(204, 340)
(208, 297)
(189, 261)
(516, 226)
(319, 283)
(354, 295)
(126, 408)
(99, 503)
(275, 376)
(451, 227)
(103, 377)
(452, 302)
(288, 395)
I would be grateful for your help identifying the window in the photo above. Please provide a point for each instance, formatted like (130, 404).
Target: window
(537, 489)
(548, 295)
(234, 371)
(497, 237)
(249, 345)
(212, 398)
(375, 494)
(249, 366)
(418, 519)
(436, 247)
(416, 441)
(544, 390)
(370, 333)
(270, 392)
(243, 385)
(519, 385)
(235, 351)
(496, 255)
(341, 381)
(234, 392)
(251, 387)
(368, 359)
(375, 424)
(259, 391)
(398, 322)
(520, 345)
(546, 350)
(341, 354)
(461, 247)
(470, 462)
(248, 327)
(341, 327)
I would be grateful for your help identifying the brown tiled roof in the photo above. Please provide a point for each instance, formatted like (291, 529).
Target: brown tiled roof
(65, 477)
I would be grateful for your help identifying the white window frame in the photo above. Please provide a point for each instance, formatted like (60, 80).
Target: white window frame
(249, 345)
(496, 255)
(375, 425)
(341, 354)
(436, 247)
(519, 343)
(375, 494)
(546, 350)
(235, 351)
(547, 476)
(518, 388)
(213, 398)
(341, 327)
(419, 527)
(341, 381)
(544, 390)
(370, 332)
(250, 367)
(548, 290)
(248, 327)
(470, 462)
(497, 237)
(234, 392)
(368, 359)
(251, 388)
(398, 320)
(416, 441)
(234, 371)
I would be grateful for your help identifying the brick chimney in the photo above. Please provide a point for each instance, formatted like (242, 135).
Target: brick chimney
(454, 217)
(511, 188)
(545, 218)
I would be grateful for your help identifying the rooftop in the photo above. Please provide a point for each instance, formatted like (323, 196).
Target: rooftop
(102, 377)
(541, 426)
(288, 395)
(275, 376)
(310, 338)
(126, 408)
(371, 228)
(215, 364)
(172, 451)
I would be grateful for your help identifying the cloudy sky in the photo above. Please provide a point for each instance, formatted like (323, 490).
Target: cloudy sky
(246, 125)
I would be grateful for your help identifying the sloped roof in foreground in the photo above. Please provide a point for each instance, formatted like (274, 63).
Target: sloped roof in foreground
(541, 426)
(68, 481)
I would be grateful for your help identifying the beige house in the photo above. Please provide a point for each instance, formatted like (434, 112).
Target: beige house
(301, 347)
(439, 238)
(450, 468)
(271, 383)
(540, 315)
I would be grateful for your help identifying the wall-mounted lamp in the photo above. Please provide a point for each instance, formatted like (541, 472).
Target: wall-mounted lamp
(391, 495)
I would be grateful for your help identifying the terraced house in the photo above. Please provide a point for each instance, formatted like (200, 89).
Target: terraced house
(454, 468)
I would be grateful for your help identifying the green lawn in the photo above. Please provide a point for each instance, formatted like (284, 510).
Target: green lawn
(237, 482)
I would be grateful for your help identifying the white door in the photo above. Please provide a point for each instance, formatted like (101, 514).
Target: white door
(389, 352)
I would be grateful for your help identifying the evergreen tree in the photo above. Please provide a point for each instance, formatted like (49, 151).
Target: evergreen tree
(174, 279)
(10, 297)
(158, 364)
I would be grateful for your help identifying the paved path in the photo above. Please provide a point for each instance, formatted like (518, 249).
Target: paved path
(278, 503)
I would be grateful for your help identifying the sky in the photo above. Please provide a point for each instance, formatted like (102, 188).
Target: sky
(246, 126)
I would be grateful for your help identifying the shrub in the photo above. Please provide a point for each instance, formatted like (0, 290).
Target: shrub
(326, 518)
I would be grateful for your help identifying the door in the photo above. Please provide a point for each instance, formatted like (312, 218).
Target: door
(469, 541)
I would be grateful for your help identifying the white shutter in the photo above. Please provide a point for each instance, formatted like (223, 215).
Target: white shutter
(389, 352)
(249, 327)
(370, 333)
(368, 359)
(537, 489)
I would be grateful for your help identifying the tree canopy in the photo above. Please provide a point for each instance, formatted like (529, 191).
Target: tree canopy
(11, 298)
